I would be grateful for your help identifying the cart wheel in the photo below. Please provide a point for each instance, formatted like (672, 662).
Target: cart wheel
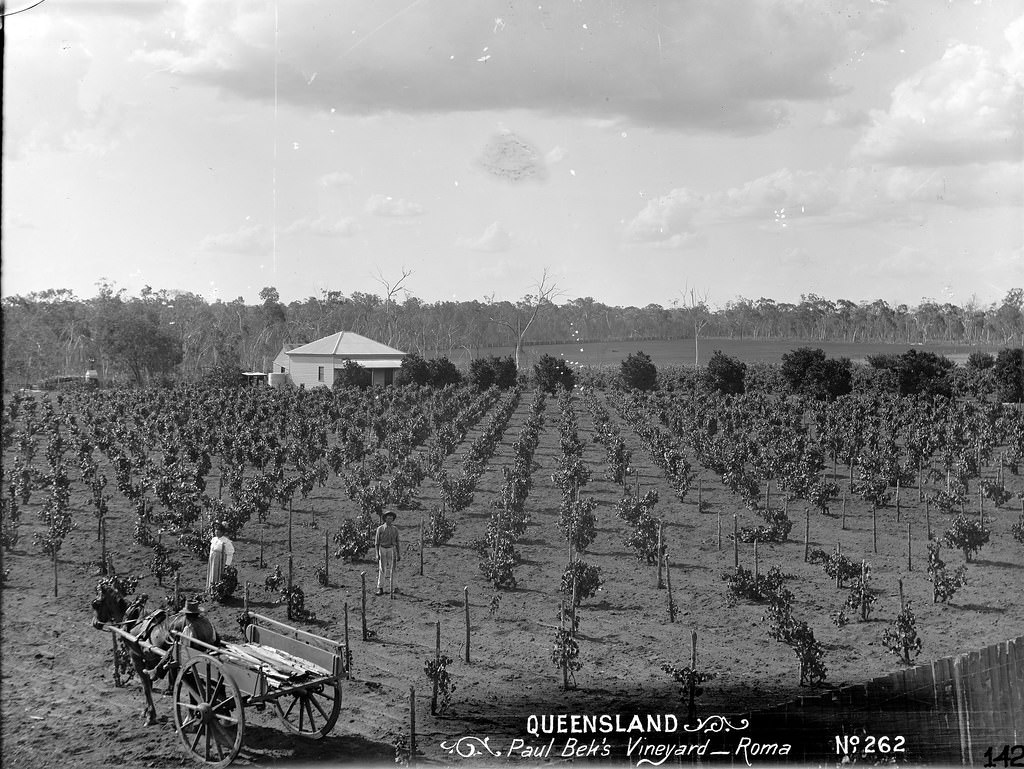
(311, 712)
(208, 711)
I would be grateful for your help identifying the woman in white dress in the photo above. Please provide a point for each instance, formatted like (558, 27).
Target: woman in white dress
(221, 554)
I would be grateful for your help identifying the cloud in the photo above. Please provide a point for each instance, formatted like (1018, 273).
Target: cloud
(646, 60)
(511, 158)
(837, 118)
(337, 179)
(494, 239)
(965, 108)
(323, 226)
(248, 239)
(385, 205)
(842, 197)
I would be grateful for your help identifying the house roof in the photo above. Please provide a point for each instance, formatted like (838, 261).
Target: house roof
(346, 344)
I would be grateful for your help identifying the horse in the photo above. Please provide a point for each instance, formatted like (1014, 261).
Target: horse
(111, 608)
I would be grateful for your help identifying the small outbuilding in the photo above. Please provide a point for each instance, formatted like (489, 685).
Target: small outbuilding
(316, 364)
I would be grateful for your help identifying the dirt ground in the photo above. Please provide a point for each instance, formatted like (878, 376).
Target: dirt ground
(61, 709)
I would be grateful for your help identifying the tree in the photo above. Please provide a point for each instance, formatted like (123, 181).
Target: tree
(519, 319)
(700, 315)
(980, 361)
(725, 374)
(415, 369)
(552, 373)
(352, 375)
(809, 372)
(1009, 374)
(443, 372)
(132, 335)
(918, 372)
(638, 371)
(484, 372)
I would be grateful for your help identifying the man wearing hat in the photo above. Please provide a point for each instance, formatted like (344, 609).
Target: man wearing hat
(190, 623)
(386, 543)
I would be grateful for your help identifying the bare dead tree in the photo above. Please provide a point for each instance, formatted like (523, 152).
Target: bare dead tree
(390, 290)
(526, 311)
(697, 304)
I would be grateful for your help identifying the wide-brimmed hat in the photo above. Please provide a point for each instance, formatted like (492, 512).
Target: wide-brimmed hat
(191, 607)
(391, 513)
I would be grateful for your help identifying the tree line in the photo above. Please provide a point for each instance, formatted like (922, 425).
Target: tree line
(162, 333)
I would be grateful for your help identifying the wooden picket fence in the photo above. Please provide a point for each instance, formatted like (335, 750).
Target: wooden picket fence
(949, 711)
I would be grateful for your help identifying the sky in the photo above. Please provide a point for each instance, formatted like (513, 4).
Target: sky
(634, 151)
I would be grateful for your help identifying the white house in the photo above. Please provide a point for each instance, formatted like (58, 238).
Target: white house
(317, 363)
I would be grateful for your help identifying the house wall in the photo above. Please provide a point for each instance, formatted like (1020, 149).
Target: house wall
(303, 371)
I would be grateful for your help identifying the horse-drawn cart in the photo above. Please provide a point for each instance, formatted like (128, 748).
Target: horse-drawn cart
(297, 672)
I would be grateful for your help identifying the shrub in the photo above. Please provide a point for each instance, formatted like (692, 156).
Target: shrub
(1009, 375)
(743, 585)
(644, 539)
(443, 372)
(553, 374)
(944, 583)
(440, 528)
(222, 590)
(577, 522)
(966, 535)
(493, 371)
(436, 671)
(354, 538)
(415, 369)
(1018, 529)
(808, 372)
(917, 372)
(638, 371)
(565, 653)
(587, 577)
(901, 638)
(725, 374)
(499, 566)
(352, 375)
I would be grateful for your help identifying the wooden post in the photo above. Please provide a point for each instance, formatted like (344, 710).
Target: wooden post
(735, 542)
(245, 598)
(263, 527)
(844, 510)
(177, 590)
(897, 500)
(103, 544)
(874, 528)
(366, 632)
(289, 584)
(910, 566)
(719, 529)
(327, 557)
(981, 505)
(348, 654)
(700, 495)
(668, 581)
(920, 481)
(661, 534)
(465, 600)
(437, 664)
(901, 594)
(412, 724)
(289, 527)
(421, 546)
(561, 629)
(691, 710)
(839, 571)
(54, 571)
(928, 520)
(807, 532)
(755, 561)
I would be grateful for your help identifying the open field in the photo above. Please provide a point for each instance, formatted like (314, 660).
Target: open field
(57, 686)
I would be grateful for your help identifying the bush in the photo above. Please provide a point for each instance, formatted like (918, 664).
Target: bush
(901, 638)
(1009, 375)
(443, 372)
(354, 538)
(415, 369)
(352, 375)
(918, 372)
(808, 372)
(440, 528)
(966, 535)
(944, 583)
(224, 375)
(551, 374)
(725, 374)
(638, 371)
(588, 580)
(493, 371)
(222, 590)
(980, 361)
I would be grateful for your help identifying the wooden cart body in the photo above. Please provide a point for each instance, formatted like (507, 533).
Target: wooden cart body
(296, 672)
